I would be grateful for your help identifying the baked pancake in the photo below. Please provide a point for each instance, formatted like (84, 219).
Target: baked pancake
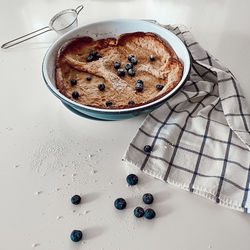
(132, 70)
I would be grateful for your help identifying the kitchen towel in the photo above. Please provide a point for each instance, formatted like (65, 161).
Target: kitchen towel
(200, 137)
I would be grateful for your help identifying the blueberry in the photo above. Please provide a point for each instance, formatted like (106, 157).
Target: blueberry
(76, 235)
(75, 94)
(139, 85)
(140, 81)
(128, 66)
(138, 212)
(90, 58)
(73, 82)
(121, 72)
(108, 103)
(133, 60)
(148, 198)
(131, 103)
(131, 72)
(147, 149)
(98, 56)
(88, 78)
(130, 57)
(120, 203)
(101, 86)
(132, 179)
(149, 214)
(152, 58)
(159, 86)
(93, 53)
(76, 199)
(117, 65)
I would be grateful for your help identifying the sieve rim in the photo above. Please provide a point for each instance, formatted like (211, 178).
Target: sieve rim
(59, 14)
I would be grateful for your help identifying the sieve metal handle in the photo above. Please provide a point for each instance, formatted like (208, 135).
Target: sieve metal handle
(35, 33)
(25, 37)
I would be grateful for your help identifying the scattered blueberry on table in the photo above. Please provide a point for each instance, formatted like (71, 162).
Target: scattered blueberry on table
(108, 103)
(75, 94)
(121, 72)
(73, 82)
(120, 203)
(147, 149)
(88, 78)
(101, 86)
(117, 65)
(159, 86)
(76, 199)
(76, 235)
(149, 214)
(148, 198)
(138, 212)
(132, 179)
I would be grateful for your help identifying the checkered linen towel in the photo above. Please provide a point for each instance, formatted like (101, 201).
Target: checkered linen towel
(200, 137)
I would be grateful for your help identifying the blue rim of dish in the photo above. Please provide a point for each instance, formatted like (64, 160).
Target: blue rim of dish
(83, 114)
(114, 112)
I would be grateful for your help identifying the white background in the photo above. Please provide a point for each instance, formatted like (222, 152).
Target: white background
(49, 154)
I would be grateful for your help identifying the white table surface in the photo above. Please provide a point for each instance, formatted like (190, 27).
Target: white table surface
(49, 154)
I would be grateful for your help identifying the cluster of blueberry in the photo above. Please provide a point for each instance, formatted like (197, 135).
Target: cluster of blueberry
(147, 198)
(120, 203)
(129, 66)
(93, 55)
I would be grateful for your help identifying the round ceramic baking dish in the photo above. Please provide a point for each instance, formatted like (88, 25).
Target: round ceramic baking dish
(113, 28)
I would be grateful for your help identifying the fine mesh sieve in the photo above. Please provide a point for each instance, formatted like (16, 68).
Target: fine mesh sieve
(62, 22)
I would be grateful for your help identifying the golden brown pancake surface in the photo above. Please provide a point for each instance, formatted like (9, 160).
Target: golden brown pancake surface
(72, 64)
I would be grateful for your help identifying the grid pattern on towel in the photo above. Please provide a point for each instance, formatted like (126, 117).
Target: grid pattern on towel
(200, 138)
